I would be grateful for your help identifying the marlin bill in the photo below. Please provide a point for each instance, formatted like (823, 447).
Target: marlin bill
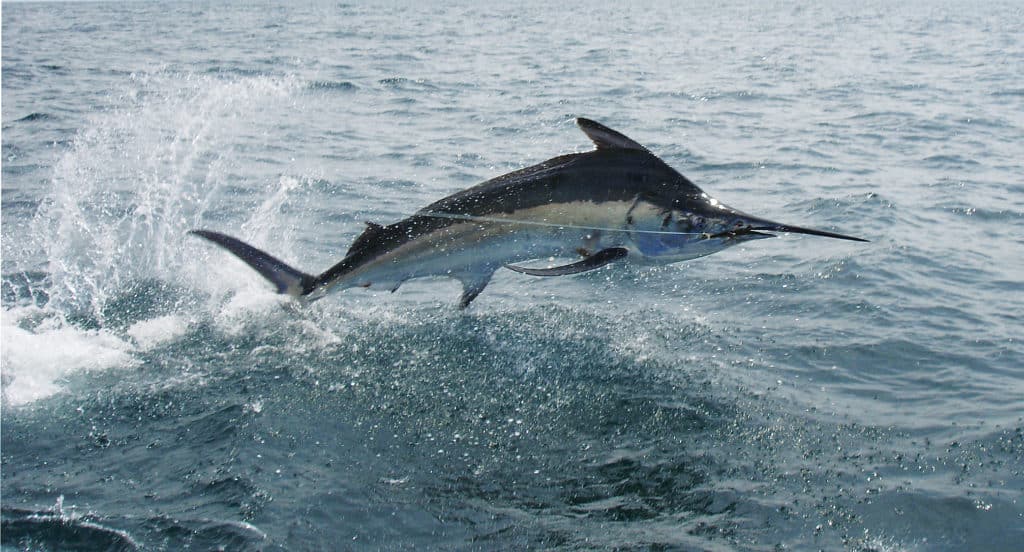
(618, 202)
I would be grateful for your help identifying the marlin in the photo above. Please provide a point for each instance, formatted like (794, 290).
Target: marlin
(617, 202)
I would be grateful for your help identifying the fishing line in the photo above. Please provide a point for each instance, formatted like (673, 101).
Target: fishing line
(475, 218)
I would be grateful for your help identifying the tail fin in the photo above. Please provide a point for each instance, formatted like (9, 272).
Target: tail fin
(287, 279)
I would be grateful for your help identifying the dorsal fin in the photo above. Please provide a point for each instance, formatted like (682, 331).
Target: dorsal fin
(606, 138)
(372, 231)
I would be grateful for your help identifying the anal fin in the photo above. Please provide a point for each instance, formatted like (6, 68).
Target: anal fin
(595, 261)
(472, 285)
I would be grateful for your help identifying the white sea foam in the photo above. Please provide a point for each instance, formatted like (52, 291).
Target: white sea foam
(157, 331)
(35, 360)
(247, 309)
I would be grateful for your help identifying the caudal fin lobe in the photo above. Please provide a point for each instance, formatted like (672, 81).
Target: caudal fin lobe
(286, 279)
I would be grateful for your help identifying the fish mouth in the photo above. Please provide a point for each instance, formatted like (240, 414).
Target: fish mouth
(740, 234)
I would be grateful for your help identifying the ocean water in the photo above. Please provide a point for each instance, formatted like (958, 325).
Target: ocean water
(798, 393)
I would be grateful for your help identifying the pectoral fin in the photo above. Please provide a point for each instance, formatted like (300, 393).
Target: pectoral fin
(595, 261)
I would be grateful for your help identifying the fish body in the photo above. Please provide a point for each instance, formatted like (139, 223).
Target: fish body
(616, 202)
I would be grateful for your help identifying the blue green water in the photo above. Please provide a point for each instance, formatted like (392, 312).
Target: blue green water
(795, 393)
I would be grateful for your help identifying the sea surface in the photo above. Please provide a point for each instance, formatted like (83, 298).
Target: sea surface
(798, 393)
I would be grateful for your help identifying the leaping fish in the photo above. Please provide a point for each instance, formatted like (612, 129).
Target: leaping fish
(617, 202)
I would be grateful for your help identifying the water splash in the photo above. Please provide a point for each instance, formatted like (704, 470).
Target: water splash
(111, 233)
(139, 176)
